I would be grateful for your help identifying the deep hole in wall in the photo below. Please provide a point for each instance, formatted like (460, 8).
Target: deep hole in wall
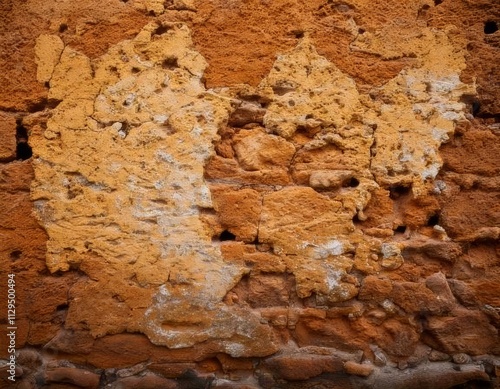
(226, 235)
(15, 255)
(490, 27)
(433, 220)
(396, 191)
(23, 149)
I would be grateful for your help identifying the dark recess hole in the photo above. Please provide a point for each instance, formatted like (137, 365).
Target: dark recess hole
(282, 90)
(397, 191)
(353, 182)
(135, 70)
(190, 380)
(298, 34)
(23, 149)
(37, 106)
(361, 30)
(62, 307)
(433, 220)
(437, 2)
(16, 254)
(170, 63)
(161, 30)
(400, 229)
(63, 27)
(474, 384)
(490, 27)
(476, 107)
(226, 235)
(355, 219)
(125, 128)
(494, 118)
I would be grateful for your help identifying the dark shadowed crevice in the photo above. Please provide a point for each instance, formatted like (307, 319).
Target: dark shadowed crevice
(23, 149)
(226, 235)
(490, 27)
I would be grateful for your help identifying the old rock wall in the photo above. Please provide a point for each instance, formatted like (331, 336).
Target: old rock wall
(251, 194)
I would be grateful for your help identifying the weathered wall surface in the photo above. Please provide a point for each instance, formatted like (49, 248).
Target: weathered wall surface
(251, 194)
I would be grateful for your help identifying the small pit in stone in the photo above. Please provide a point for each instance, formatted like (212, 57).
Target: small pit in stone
(433, 220)
(490, 27)
(170, 63)
(400, 229)
(15, 255)
(161, 29)
(397, 191)
(352, 182)
(298, 34)
(281, 90)
(476, 107)
(226, 235)
(23, 149)
(62, 307)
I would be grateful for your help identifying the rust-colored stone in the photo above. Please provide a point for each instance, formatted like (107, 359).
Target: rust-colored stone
(417, 298)
(7, 137)
(67, 375)
(297, 367)
(229, 364)
(362, 370)
(238, 211)
(268, 290)
(464, 331)
(375, 289)
(149, 381)
(325, 176)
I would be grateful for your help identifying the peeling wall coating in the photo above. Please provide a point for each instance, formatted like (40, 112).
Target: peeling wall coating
(121, 165)
(307, 225)
(125, 149)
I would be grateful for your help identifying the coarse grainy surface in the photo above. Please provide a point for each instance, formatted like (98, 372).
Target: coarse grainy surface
(251, 194)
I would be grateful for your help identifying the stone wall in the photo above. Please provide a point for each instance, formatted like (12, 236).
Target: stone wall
(251, 194)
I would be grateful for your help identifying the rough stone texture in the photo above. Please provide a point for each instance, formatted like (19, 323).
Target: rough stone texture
(72, 376)
(8, 136)
(251, 194)
(145, 93)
